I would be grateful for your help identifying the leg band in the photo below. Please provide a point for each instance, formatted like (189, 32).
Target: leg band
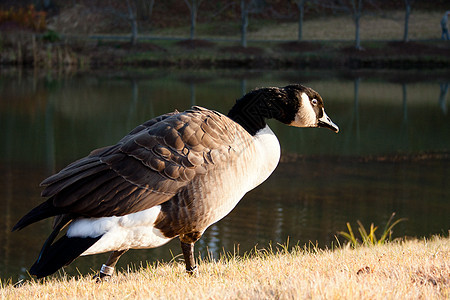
(192, 269)
(107, 270)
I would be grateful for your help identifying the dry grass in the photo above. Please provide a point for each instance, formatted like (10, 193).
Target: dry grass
(422, 25)
(386, 26)
(418, 269)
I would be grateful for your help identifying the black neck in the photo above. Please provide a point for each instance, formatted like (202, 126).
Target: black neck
(252, 110)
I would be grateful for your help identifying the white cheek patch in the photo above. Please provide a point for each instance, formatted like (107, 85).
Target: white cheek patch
(306, 116)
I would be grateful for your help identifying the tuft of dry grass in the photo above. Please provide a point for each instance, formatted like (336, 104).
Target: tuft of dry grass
(397, 270)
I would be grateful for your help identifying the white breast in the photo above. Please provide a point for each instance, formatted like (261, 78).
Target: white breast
(267, 154)
(253, 164)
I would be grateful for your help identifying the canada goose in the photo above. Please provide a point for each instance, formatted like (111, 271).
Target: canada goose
(172, 176)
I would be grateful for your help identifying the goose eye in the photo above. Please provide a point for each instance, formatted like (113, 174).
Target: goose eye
(314, 101)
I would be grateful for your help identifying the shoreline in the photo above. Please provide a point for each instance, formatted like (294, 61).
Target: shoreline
(90, 54)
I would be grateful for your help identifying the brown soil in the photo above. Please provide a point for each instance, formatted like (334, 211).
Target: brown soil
(242, 50)
(139, 47)
(194, 44)
(300, 46)
(400, 49)
(9, 26)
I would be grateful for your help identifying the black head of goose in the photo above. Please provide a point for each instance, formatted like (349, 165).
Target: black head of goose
(172, 176)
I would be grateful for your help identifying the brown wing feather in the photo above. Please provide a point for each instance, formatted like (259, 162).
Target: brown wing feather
(70, 177)
(146, 168)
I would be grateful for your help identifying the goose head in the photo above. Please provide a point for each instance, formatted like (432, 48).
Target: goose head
(309, 108)
(294, 105)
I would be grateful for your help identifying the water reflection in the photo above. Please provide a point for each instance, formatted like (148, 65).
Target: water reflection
(392, 153)
(443, 97)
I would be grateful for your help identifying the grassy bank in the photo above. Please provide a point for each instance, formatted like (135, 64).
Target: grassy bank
(389, 25)
(92, 54)
(416, 269)
(328, 43)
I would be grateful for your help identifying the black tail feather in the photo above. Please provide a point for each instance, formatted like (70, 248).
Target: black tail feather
(40, 212)
(60, 254)
(63, 221)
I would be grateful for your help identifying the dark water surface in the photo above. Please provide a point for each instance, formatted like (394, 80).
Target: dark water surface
(392, 154)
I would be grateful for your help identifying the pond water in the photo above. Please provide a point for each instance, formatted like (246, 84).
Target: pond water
(391, 155)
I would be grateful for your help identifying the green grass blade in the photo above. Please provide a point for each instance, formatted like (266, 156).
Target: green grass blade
(388, 228)
(372, 236)
(363, 233)
(349, 236)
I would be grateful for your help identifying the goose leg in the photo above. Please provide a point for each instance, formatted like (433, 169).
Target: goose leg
(107, 269)
(188, 253)
(187, 246)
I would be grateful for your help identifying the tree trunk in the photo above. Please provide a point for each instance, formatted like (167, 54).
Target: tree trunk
(356, 110)
(193, 8)
(443, 96)
(244, 25)
(133, 23)
(301, 9)
(405, 102)
(192, 89)
(150, 6)
(193, 18)
(357, 11)
(145, 9)
(134, 32)
(357, 38)
(407, 13)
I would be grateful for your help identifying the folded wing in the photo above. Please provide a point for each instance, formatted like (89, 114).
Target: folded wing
(146, 168)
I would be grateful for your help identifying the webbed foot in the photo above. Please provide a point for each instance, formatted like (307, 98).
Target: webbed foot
(193, 271)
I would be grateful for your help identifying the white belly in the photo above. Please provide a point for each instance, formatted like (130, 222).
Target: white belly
(135, 230)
